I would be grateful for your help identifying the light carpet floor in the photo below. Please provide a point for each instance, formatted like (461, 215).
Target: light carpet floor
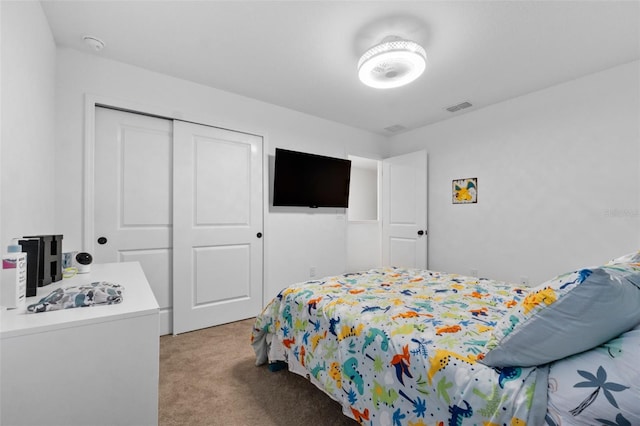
(208, 377)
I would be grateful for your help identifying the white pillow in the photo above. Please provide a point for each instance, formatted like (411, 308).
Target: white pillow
(600, 386)
(627, 258)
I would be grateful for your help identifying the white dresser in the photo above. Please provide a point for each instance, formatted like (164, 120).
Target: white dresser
(83, 366)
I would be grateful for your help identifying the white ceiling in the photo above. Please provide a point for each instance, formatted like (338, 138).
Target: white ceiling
(302, 55)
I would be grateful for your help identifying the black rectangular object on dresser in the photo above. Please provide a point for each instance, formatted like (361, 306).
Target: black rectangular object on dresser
(31, 246)
(49, 258)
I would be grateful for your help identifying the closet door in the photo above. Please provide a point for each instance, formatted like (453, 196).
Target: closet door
(217, 216)
(133, 198)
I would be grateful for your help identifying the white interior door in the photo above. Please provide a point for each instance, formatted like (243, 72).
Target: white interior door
(217, 226)
(404, 217)
(133, 198)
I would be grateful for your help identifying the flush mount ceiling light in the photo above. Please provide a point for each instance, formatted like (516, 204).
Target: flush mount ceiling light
(392, 63)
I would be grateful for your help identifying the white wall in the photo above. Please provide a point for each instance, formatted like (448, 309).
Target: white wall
(294, 240)
(27, 138)
(363, 194)
(364, 230)
(558, 179)
(364, 241)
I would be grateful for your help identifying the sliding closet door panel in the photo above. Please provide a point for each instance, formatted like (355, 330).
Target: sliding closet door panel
(217, 218)
(404, 218)
(222, 162)
(213, 262)
(133, 198)
(146, 177)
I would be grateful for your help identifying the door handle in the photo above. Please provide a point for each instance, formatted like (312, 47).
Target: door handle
(421, 232)
(259, 235)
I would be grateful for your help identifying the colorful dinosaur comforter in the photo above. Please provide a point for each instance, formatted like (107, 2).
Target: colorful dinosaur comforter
(401, 347)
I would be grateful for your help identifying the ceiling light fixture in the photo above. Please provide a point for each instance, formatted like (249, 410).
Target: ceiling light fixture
(392, 63)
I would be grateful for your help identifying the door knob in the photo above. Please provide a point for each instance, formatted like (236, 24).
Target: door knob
(259, 235)
(421, 232)
(102, 240)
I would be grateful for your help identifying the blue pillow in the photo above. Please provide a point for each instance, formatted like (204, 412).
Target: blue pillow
(569, 314)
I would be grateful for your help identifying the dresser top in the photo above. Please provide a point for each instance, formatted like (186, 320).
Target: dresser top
(138, 300)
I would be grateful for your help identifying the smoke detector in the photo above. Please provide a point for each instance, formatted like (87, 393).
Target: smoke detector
(392, 63)
(94, 43)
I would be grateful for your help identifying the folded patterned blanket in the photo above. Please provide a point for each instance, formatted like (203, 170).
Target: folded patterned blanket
(97, 293)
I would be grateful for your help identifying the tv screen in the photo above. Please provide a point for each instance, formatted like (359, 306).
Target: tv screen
(309, 180)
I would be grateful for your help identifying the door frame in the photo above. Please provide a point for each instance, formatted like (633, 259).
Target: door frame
(91, 101)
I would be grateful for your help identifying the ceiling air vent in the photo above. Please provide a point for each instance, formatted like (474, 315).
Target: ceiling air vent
(458, 107)
(395, 128)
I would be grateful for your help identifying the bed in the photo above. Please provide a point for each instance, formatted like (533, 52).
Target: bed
(411, 347)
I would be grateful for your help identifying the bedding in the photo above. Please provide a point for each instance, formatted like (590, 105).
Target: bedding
(401, 347)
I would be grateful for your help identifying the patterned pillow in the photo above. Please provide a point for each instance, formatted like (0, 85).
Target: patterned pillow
(569, 314)
(600, 386)
(97, 293)
(627, 258)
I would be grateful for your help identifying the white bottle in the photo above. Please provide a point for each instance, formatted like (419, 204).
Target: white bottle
(14, 278)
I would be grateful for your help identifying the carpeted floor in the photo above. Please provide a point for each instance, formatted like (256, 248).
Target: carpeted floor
(208, 377)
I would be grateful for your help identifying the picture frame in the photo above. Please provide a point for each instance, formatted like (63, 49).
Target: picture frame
(465, 191)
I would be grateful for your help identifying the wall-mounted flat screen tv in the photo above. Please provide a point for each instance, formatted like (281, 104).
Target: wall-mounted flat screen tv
(310, 180)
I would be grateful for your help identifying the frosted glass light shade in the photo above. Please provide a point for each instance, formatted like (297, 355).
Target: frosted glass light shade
(392, 64)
